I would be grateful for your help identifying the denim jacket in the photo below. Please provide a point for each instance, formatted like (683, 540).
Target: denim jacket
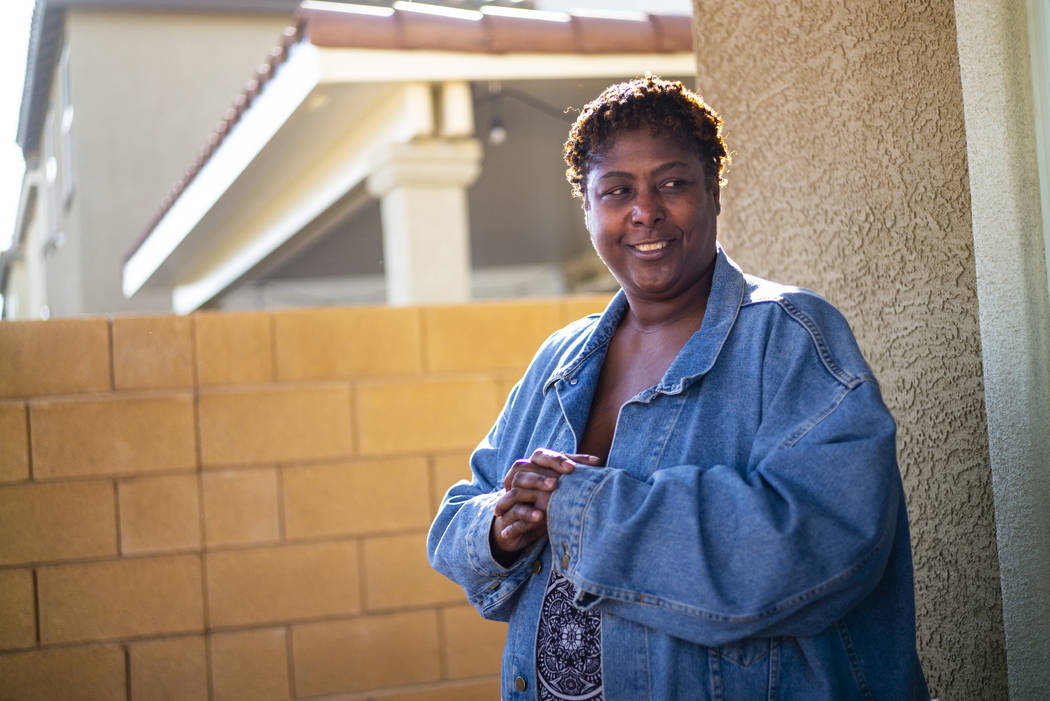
(748, 538)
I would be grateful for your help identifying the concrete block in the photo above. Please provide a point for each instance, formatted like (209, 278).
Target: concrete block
(106, 600)
(473, 645)
(48, 522)
(234, 348)
(169, 669)
(17, 610)
(64, 356)
(447, 469)
(579, 306)
(347, 343)
(240, 427)
(250, 665)
(421, 416)
(88, 673)
(361, 497)
(282, 583)
(240, 507)
(397, 574)
(152, 352)
(370, 652)
(112, 436)
(14, 442)
(487, 336)
(159, 513)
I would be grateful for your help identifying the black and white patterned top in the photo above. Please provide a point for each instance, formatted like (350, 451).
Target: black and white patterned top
(568, 646)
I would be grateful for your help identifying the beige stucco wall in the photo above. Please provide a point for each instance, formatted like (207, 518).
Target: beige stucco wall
(1014, 317)
(148, 88)
(851, 178)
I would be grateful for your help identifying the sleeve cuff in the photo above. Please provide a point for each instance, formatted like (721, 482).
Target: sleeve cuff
(566, 512)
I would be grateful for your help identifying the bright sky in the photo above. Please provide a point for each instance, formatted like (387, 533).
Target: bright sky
(14, 34)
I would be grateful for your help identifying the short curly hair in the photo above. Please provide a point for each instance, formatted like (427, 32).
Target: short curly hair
(665, 106)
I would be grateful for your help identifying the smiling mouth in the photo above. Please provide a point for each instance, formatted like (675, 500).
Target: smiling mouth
(650, 247)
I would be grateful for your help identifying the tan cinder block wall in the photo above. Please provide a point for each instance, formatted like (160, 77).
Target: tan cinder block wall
(233, 506)
(850, 177)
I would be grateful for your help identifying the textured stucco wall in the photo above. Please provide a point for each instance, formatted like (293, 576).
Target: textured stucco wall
(1015, 321)
(851, 178)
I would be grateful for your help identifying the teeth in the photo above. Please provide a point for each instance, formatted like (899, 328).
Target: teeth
(646, 247)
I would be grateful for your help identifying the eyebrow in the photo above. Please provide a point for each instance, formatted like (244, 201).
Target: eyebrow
(659, 169)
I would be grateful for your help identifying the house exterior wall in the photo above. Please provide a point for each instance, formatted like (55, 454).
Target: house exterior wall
(148, 88)
(230, 506)
(1014, 317)
(850, 177)
(61, 241)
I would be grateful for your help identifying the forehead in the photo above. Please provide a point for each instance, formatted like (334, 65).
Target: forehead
(639, 150)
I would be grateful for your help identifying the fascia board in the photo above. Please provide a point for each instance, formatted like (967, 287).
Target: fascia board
(405, 116)
(349, 65)
(267, 113)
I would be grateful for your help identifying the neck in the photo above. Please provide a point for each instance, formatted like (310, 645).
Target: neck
(683, 310)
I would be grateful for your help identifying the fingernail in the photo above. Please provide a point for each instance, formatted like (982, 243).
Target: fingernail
(536, 514)
(568, 463)
(548, 482)
(593, 458)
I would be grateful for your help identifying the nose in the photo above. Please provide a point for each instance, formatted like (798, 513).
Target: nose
(648, 208)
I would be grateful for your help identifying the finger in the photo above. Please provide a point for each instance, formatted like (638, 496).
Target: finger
(518, 495)
(520, 466)
(534, 480)
(559, 462)
(512, 534)
(517, 533)
(585, 458)
(525, 513)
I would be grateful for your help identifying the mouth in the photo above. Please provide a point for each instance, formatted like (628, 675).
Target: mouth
(650, 246)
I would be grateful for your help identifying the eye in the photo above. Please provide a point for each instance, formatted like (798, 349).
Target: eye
(674, 184)
(618, 191)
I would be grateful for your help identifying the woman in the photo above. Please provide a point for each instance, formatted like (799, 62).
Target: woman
(695, 494)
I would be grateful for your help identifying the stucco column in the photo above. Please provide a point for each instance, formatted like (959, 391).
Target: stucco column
(426, 233)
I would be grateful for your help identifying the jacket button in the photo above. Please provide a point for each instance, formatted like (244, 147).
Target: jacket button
(537, 567)
(565, 561)
(519, 683)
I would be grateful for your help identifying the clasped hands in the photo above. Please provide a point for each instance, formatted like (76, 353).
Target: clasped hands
(520, 515)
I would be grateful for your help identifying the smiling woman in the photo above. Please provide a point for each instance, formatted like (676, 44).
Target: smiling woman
(694, 494)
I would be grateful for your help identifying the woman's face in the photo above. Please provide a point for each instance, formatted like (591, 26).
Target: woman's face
(651, 214)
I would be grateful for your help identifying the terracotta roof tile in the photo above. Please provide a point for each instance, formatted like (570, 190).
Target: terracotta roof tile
(332, 24)
(528, 35)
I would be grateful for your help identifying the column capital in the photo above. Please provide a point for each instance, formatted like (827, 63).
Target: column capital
(428, 163)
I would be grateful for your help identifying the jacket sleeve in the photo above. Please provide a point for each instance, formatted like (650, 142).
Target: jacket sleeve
(714, 555)
(458, 542)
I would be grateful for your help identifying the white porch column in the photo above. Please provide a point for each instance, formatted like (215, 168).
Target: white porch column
(426, 234)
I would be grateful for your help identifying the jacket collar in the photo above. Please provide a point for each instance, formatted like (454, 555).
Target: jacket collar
(700, 352)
